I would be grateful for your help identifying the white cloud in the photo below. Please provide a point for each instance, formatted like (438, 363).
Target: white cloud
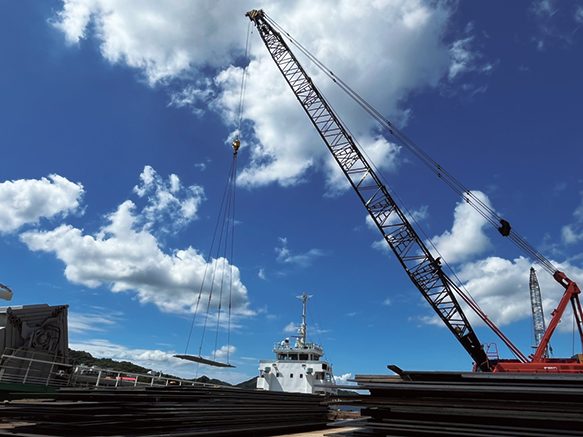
(172, 42)
(261, 274)
(343, 379)
(170, 205)
(149, 358)
(556, 22)
(544, 8)
(157, 360)
(409, 31)
(285, 256)
(163, 39)
(501, 287)
(125, 256)
(26, 201)
(387, 301)
(224, 351)
(466, 237)
(291, 328)
(573, 232)
(92, 322)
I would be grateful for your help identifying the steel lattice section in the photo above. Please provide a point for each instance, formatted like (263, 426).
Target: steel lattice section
(422, 268)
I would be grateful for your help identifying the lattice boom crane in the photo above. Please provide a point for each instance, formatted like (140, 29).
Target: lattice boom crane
(421, 266)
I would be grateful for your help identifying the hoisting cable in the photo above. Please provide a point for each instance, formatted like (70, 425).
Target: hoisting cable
(229, 241)
(217, 257)
(458, 287)
(232, 258)
(220, 258)
(474, 201)
(224, 255)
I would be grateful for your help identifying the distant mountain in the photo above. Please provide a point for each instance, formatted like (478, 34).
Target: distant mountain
(85, 358)
(249, 384)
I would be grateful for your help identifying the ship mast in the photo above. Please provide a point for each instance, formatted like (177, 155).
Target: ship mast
(303, 330)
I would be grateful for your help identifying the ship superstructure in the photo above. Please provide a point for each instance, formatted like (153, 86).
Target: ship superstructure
(298, 365)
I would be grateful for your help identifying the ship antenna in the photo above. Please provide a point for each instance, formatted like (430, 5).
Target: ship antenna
(303, 331)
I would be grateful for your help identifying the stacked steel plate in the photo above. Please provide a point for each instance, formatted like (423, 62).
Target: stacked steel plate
(172, 411)
(464, 404)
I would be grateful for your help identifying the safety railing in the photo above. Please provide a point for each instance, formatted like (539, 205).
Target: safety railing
(93, 376)
(33, 368)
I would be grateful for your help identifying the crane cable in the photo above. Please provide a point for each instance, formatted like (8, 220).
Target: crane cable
(216, 260)
(490, 215)
(225, 229)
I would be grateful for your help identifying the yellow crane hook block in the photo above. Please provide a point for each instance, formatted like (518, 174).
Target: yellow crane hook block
(236, 145)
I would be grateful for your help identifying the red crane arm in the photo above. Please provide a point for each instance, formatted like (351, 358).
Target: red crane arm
(571, 294)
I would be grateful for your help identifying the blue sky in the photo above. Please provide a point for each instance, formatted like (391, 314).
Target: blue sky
(116, 119)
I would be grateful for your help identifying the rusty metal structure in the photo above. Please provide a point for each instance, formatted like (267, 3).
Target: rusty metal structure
(34, 343)
(170, 411)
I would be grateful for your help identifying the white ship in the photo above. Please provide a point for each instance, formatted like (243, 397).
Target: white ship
(297, 367)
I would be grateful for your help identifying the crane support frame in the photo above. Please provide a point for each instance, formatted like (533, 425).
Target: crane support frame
(571, 295)
(421, 266)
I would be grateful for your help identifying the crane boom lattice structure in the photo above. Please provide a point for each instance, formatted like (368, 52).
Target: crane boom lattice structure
(538, 318)
(421, 266)
(423, 269)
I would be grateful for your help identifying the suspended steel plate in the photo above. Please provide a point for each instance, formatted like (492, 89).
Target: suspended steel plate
(199, 359)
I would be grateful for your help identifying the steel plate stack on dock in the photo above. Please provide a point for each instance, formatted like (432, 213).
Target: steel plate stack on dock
(184, 411)
(476, 404)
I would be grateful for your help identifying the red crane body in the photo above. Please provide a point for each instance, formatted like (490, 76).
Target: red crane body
(538, 362)
(421, 266)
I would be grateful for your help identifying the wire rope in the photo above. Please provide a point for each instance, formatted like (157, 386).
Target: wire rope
(220, 261)
(489, 214)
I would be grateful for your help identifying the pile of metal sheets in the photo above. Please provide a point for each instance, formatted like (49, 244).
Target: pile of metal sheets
(172, 411)
(464, 404)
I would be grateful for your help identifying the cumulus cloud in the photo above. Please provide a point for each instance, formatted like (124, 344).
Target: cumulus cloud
(224, 351)
(156, 359)
(149, 358)
(125, 256)
(164, 40)
(26, 201)
(170, 205)
(501, 287)
(285, 255)
(466, 237)
(343, 379)
(197, 53)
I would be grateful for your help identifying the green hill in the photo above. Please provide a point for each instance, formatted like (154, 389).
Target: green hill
(85, 358)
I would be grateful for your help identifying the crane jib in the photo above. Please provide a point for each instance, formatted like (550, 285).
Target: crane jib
(423, 269)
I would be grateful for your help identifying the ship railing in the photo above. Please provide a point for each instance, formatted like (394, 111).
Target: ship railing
(33, 367)
(281, 346)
